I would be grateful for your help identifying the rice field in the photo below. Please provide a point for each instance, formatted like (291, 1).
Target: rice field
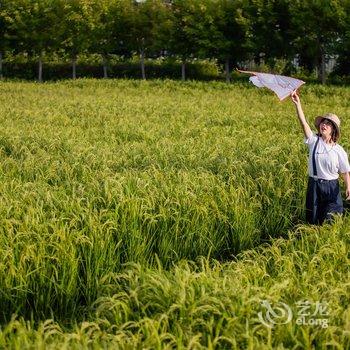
(162, 214)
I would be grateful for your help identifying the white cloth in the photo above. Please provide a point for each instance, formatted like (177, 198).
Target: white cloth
(281, 85)
(330, 160)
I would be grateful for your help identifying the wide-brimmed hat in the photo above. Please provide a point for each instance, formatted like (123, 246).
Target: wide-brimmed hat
(333, 118)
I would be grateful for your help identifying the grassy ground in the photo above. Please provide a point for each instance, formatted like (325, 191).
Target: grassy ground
(109, 189)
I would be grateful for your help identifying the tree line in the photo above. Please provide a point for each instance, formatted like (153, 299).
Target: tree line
(231, 31)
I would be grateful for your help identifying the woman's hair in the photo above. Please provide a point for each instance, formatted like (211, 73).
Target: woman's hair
(334, 133)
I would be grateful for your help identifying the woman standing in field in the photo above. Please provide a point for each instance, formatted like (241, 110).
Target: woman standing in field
(327, 160)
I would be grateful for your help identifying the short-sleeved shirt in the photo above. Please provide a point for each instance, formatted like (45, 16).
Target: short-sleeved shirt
(331, 160)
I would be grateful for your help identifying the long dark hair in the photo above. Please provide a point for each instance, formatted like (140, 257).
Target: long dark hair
(334, 134)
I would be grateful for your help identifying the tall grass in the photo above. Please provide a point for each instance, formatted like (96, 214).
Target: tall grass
(212, 305)
(95, 175)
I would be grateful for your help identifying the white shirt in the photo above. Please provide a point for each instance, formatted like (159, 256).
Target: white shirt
(330, 159)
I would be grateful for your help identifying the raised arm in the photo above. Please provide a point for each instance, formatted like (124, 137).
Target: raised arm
(306, 128)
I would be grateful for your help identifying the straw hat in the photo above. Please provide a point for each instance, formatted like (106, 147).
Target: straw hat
(333, 118)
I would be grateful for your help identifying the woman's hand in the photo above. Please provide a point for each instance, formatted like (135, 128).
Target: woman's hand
(346, 177)
(295, 98)
(347, 194)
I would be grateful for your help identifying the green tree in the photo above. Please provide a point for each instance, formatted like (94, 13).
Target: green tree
(183, 34)
(342, 46)
(32, 26)
(79, 18)
(148, 19)
(317, 27)
(230, 42)
(208, 29)
(270, 28)
(111, 29)
(3, 39)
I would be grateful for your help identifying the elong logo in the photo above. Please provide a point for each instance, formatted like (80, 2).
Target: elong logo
(281, 313)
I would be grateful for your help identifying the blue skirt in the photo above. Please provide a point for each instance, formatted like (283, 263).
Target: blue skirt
(323, 199)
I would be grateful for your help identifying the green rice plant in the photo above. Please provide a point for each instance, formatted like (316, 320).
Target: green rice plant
(209, 304)
(109, 189)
